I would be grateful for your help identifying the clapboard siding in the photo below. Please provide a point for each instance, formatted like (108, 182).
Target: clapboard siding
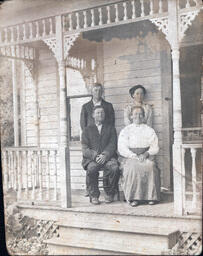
(125, 66)
(47, 98)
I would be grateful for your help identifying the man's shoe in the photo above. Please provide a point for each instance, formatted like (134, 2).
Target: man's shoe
(94, 200)
(86, 193)
(151, 203)
(134, 203)
(108, 199)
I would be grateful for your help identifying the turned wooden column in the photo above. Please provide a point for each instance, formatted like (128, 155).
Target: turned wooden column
(178, 179)
(15, 103)
(63, 129)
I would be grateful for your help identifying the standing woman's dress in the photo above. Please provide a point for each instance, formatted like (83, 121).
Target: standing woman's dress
(148, 114)
(141, 180)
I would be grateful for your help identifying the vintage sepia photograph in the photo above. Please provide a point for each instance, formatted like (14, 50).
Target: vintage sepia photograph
(101, 111)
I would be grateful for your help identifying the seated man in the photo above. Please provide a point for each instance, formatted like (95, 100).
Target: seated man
(99, 145)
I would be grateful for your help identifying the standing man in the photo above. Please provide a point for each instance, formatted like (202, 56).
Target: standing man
(99, 145)
(86, 117)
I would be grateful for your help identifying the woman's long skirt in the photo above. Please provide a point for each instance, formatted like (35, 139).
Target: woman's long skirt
(141, 180)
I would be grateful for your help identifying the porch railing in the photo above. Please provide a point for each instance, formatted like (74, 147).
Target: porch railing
(192, 135)
(112, 13)
(100, 16)
(196, 185)
(32, 172)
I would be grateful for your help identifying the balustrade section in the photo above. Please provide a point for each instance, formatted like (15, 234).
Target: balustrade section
(26, 32)
(188, 4)
(32, 172)
(192, 177)
(119, 12)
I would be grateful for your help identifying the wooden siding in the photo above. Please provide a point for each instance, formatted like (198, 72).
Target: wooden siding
(122, 65)
(47, 98)
(126, 64)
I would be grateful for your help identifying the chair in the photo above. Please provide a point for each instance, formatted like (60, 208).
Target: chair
(102, 184)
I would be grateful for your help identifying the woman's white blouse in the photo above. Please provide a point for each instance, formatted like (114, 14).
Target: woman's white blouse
(137, 136)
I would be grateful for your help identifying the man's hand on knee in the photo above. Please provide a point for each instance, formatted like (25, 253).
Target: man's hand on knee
(101, 159)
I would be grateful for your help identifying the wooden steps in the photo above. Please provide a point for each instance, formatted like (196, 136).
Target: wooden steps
(111, 238)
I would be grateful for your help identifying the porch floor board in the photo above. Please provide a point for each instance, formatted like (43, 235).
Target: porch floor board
(80, 203)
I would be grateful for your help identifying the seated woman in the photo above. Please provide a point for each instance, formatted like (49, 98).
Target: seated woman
(138, 143)
(138, 93)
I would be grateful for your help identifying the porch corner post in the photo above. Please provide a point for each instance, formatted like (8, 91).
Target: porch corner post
(173, 23)
(15, 103)
(64, 161)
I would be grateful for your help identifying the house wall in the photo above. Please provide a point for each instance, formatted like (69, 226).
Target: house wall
(132, 57)
(47, 98)
(125, 58)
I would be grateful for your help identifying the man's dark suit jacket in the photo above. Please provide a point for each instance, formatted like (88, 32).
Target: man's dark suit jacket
(86, 118)
(94, 143)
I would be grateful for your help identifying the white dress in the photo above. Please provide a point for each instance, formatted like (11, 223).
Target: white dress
(140, 180)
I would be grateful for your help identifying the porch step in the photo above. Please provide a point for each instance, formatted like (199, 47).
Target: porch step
(89, 235)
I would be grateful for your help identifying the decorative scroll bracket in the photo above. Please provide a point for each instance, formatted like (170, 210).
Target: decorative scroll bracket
(18, 52)
(30, 66)
(185, 20)
(68, 43)
(162, 24)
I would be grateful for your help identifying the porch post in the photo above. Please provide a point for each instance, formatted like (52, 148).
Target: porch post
(177, 114)
(15, 103)
(63, 129)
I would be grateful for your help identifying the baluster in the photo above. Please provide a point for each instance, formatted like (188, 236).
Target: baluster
(19, 168)
(24, 32)
(93, 18)
(194, 178)
(187, 4)
(5, 170)
(12, 34)
(26, 173)
(198, 2)
(18, 33)
(133, 9)
(100, 16)
(43, 27)
(85, 19)
(33, 174)
(77, 20)
(39, 156)
(55, 175)
(142, 8)
(160, 6)
(31, 31)
(108, 15)
(5, 35)
(70, 22)
(125, 11)
(9, 169)
(151, 7)
(63, 24)
(116, 8)
(183, 179)
(14, 170)
(37, 29)
(51, 25)
(48, 176)
(1, 39)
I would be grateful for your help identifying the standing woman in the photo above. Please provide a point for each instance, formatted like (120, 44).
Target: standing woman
(138, 93)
